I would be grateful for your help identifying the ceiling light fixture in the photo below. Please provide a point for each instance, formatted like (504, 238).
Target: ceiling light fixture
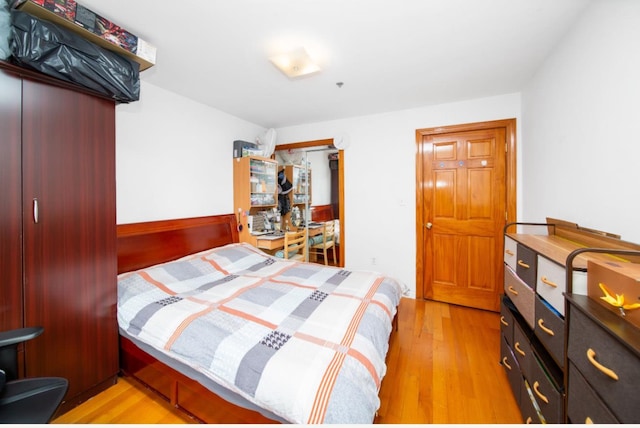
(296, 63)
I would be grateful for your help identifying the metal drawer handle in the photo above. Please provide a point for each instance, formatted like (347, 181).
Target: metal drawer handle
(545, 329)
(536, 385)
(528, 421)
(591, 355)
(520, 351)
(512, 290)
(550, 283)
(509, 252)
(588, 420)
(35, 210)
(504, 363)
(523, 264)
(503, 321)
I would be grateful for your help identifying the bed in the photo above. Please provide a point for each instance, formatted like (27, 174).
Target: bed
(232, 335)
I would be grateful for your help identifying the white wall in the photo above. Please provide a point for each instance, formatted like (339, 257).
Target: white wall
(174, 157)
(321, 177)
(581, 125)
(577, 148)
(380, 178)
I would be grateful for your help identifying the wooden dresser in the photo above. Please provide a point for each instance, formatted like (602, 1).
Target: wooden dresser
(545, 311)
(603, 365)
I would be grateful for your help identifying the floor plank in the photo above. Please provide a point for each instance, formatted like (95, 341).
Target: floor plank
(443, 368)
(127, 402)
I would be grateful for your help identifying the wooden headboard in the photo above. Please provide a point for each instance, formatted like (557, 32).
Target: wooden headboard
(322, 213)
(145, 244)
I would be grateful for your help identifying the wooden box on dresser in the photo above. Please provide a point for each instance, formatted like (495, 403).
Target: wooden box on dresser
(58, 249)
(539, 270)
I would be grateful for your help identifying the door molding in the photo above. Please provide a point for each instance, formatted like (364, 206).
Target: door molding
(510, 181)
(327, 142)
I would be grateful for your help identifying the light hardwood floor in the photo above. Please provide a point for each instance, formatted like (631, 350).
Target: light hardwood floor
(443, 367)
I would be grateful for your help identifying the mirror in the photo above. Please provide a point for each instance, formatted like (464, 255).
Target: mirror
(316, 153)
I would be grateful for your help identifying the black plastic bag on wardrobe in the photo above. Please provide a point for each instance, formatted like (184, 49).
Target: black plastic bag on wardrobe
(57, 52)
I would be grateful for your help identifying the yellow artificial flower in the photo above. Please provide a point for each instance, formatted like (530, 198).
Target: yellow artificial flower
(617, 301)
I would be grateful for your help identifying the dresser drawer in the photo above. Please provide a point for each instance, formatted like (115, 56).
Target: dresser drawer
(579, 283)
(520, 294)
(527, 409)
(549, 329)
(522, 350)
(547, 396)
(526, 265)
(551, 283)
(510, 252)
(506, 321)
(583, 404)
(593, 351)
(511, 368)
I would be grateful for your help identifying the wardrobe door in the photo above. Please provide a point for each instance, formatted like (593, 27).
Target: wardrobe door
(69, 210)
(10, 203)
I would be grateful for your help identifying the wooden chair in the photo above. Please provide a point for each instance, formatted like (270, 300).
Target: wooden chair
(328, 241)
(295, 246)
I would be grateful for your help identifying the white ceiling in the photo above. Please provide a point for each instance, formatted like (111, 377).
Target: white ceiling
(390, 54)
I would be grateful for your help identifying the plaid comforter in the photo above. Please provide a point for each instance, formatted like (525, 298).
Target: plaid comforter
(304, 341)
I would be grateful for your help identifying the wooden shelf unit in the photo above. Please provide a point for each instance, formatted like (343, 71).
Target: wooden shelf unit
(254, 189)
(301, 190)
(301, 181)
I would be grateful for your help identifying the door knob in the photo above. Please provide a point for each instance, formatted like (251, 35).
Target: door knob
(429, 225)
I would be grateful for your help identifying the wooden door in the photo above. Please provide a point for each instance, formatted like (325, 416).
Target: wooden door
(462, 212)
(70, 237)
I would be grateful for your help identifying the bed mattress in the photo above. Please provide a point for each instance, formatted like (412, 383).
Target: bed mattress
(302, 341)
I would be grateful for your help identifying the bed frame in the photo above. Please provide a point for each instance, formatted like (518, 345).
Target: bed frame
(322, 213)
(146, 244)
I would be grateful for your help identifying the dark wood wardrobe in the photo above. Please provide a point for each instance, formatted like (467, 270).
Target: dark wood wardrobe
(58, 222)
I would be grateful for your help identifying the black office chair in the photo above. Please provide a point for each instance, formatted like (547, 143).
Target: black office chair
(31, 400)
